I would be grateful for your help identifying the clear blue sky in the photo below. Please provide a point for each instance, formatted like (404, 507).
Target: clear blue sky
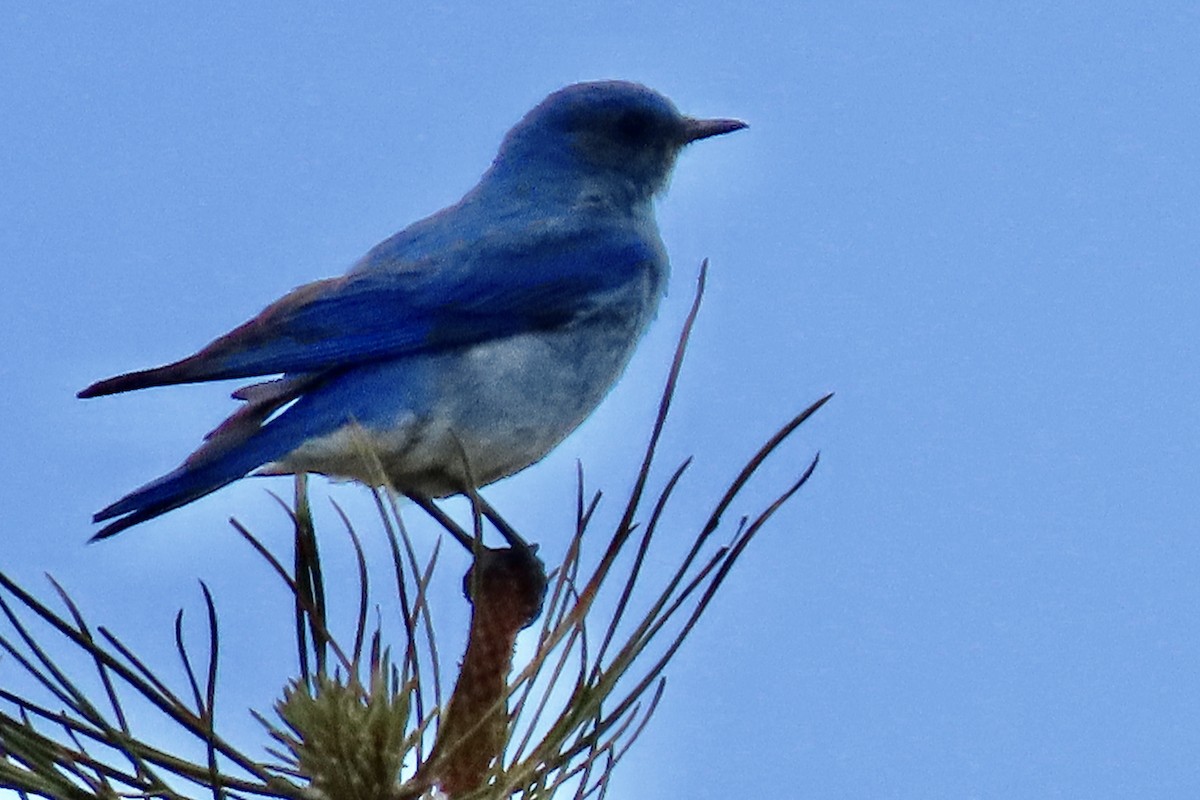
(979, 225)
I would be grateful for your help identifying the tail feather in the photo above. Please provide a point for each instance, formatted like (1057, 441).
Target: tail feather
(169, 492)
(203, 473)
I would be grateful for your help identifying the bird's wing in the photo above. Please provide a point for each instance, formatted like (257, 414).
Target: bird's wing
(489, 290)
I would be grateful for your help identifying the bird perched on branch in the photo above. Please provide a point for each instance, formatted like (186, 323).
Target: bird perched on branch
(467, 345)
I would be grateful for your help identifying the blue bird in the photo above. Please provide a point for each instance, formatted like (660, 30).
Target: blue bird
(467, 345)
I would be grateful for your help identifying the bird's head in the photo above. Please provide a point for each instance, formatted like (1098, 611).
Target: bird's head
(618, 136)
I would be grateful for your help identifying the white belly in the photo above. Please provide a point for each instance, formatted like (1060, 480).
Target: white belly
(482, 413)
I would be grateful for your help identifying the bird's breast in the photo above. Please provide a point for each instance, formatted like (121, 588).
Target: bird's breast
(486, 410)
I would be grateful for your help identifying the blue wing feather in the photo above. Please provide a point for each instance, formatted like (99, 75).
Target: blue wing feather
(470, 295)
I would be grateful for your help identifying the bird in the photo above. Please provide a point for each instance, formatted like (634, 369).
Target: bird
(464, 348)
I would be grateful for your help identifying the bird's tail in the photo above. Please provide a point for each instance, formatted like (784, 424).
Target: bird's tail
(241, 444)
(189, 482)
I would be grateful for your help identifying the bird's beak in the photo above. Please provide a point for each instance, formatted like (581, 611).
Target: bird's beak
(694, 129)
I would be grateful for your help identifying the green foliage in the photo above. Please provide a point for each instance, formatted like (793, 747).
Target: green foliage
(349, 742)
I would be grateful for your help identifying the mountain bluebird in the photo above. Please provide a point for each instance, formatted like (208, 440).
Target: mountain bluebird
(467, 345)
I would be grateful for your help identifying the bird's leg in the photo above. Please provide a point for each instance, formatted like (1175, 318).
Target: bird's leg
(509, 533)
(527, 572)
(464, 538)
(479, 505)
(444, 519)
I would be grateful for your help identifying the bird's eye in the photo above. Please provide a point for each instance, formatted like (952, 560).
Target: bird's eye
(634, 126)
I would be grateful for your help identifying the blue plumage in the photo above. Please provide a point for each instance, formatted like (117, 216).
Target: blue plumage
(490, 329)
